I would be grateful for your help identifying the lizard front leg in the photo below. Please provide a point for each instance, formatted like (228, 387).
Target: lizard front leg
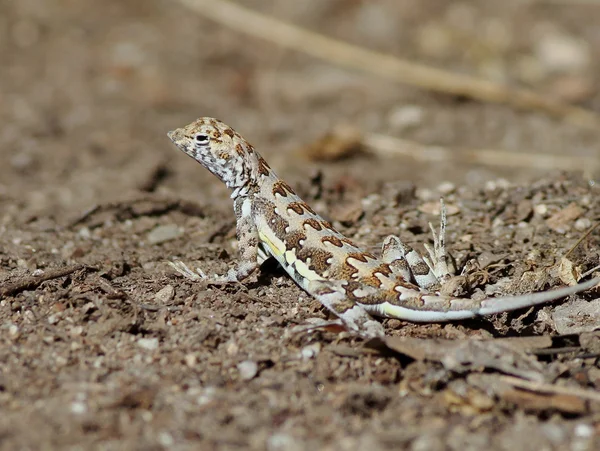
(248, 242)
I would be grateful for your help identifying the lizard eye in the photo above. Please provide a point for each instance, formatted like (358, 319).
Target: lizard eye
(201, 139)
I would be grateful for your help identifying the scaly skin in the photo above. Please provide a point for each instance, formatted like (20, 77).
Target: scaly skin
(353, 284)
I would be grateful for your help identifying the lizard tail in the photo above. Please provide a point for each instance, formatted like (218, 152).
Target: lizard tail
(411, 305)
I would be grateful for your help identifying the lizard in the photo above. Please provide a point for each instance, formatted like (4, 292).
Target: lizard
(273, 221)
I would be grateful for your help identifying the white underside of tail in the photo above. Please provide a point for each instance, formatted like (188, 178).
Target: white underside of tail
(479, 308)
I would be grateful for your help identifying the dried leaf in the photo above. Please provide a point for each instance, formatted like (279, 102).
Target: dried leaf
(562, 220)
(341, 142)
(470, 355)
(577, 317)
(568, 273)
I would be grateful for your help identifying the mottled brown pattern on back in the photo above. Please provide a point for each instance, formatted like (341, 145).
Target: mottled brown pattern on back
(309, 209)
(349, 242)
(274, 220)
(372, 280)
(312, 223)
(333, 240)
(293, 240)
(263, 167)
(327, 225)
(281, 188)
(318, 258)
(360, 256)
(344, 271)
(297, 207)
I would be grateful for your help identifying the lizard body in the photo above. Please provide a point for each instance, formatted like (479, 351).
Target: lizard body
(353, 284)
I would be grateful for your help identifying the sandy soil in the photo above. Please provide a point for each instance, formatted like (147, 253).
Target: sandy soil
(103, 346)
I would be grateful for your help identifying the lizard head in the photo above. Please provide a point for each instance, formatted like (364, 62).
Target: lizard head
(220, 149)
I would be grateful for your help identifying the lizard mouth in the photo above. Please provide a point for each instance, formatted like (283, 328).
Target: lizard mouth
(178, 138)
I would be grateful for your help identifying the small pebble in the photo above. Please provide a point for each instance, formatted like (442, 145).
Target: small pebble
(406, 117)
(248, 369)
(76, 331)
(493, 185)
(164, 233)
(584, 430)
(310, 351)
(190, 360)
(583, 224)
(75, 346)
(433, 208)
(13, 330)
(206, 397)
(425, 194)
(563, 53)
(232, 348)
(280, 441)
(165, 294)
(446, 188)
(148, 343)
(165, 439)
(78, 408)
(541, 209)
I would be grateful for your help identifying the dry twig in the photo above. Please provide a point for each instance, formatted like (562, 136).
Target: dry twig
(541, 387)
(580, 240)
(391, 146)
(31, 282)
(245, 20)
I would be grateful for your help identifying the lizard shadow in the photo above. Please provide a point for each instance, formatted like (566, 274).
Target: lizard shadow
(269, 271)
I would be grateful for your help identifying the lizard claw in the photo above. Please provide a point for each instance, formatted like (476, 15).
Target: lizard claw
(187, 272)
(200, 276)
(439, 260)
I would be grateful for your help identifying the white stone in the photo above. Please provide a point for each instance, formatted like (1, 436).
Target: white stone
(248, 369)
(148, 343)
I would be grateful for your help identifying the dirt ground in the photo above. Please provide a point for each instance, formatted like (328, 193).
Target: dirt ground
(103, 346)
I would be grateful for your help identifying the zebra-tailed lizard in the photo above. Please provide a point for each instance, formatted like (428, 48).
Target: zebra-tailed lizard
(353, 284)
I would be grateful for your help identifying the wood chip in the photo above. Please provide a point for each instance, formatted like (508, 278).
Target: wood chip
(562, 220)
(341, 142)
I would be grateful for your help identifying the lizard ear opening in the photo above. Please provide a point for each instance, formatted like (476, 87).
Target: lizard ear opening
(201, 139)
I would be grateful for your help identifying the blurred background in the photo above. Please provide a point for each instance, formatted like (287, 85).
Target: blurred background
(358, 105)
(89, 89)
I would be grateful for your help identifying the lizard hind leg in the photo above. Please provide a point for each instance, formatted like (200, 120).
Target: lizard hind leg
(429, 272)
(407, 263)
(332, 295)
(439, 260)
